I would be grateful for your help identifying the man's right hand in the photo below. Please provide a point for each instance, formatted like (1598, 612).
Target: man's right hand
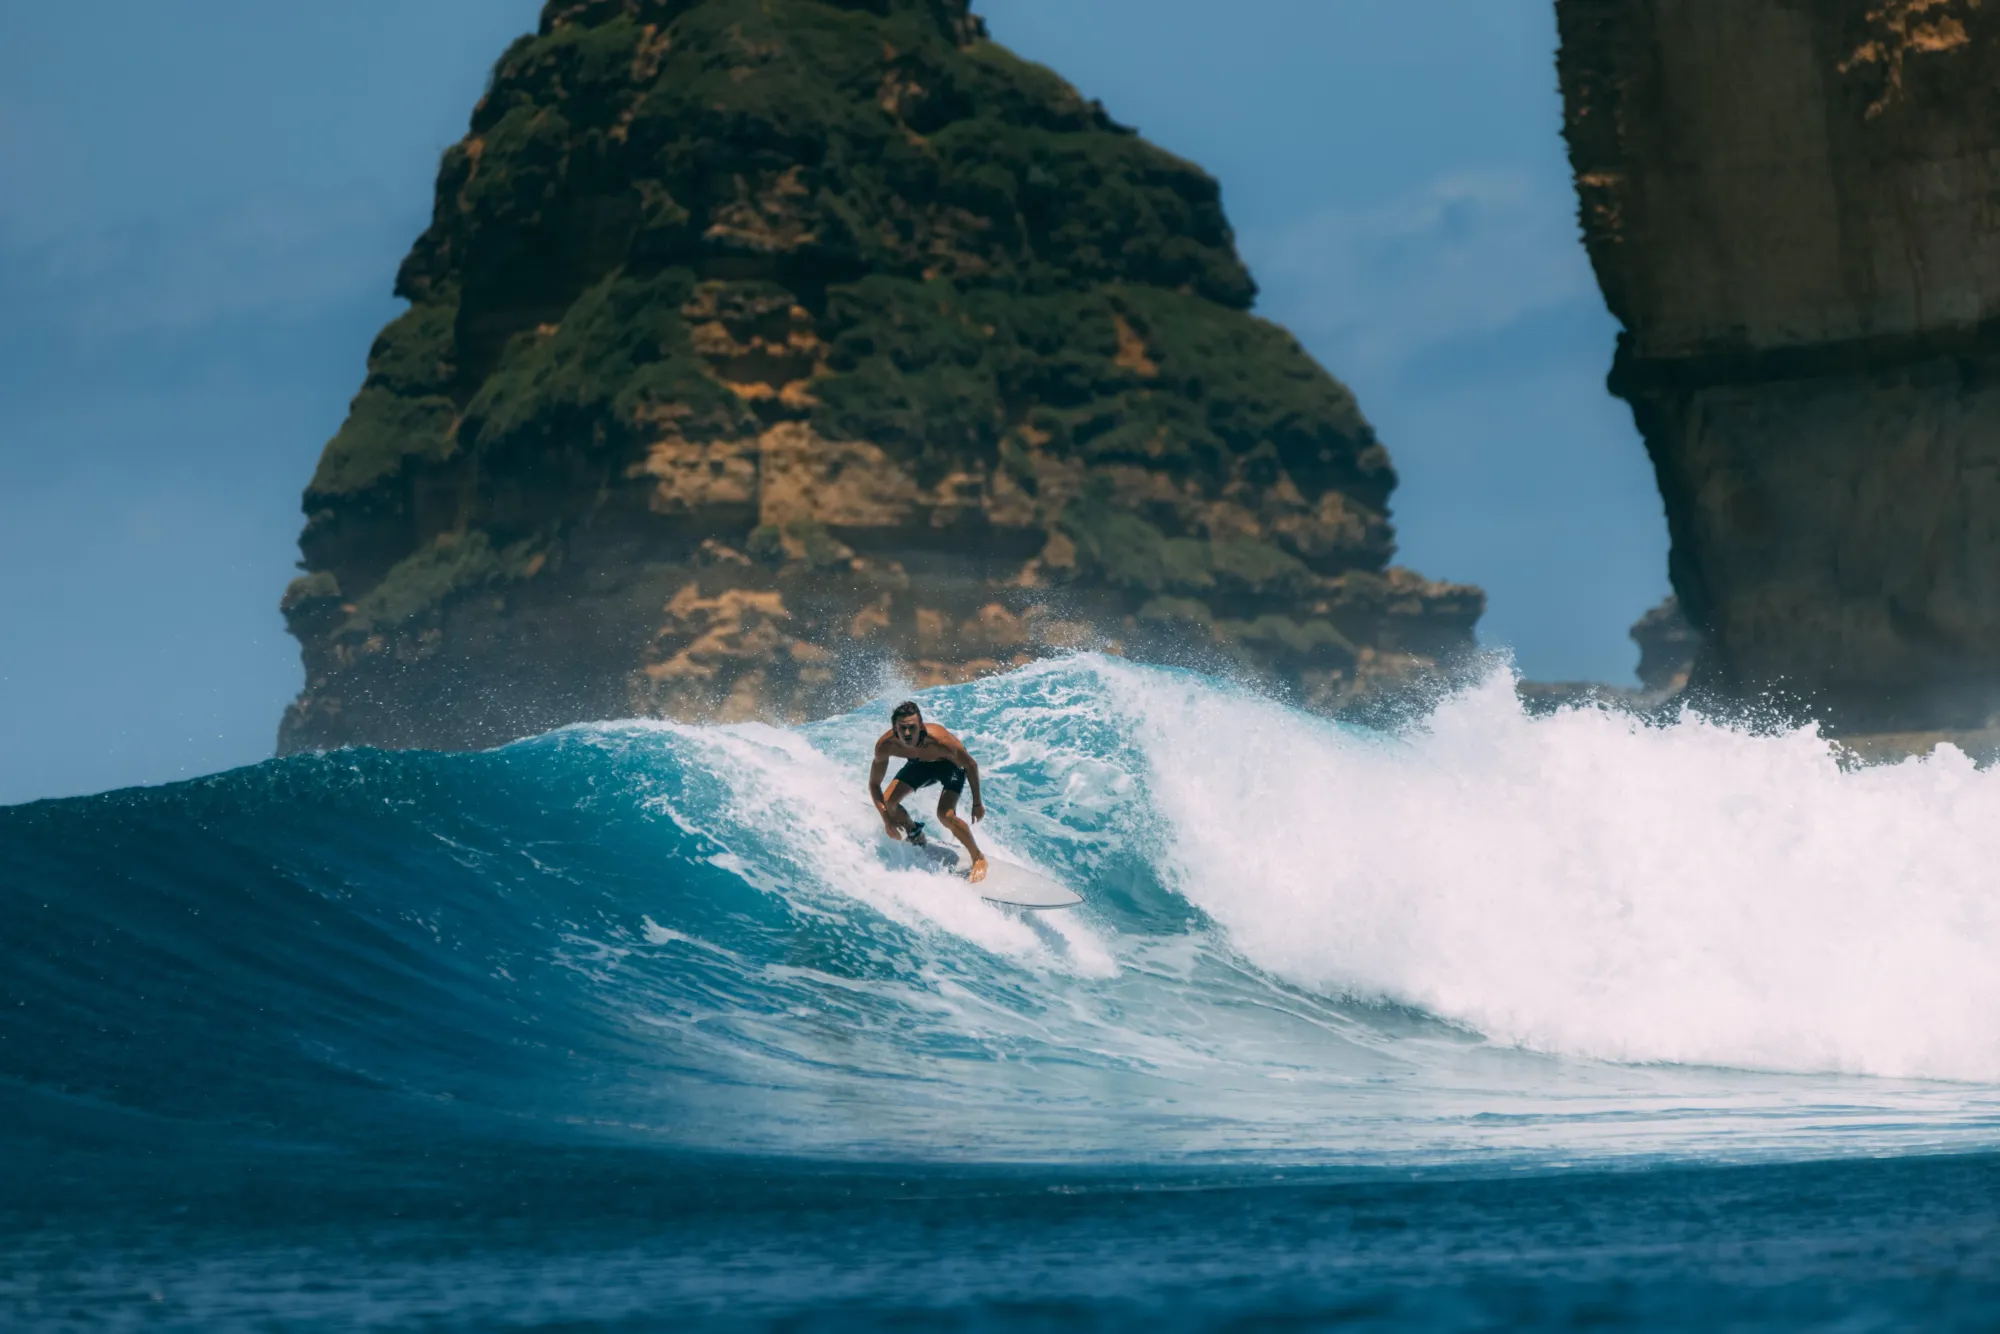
(893, 829)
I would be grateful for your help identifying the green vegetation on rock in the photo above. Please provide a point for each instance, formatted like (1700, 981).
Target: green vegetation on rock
(383, 432)
(1122, 549)
(422, 582)
(620, 354)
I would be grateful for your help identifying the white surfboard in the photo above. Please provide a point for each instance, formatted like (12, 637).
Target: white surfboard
(1005, 882)
(1017, 885)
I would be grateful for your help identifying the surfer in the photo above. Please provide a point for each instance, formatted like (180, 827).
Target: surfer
(933, 755)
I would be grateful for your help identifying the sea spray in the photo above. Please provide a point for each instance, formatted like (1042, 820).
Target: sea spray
(1591, 885)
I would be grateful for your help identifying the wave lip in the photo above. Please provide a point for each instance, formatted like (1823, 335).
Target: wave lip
(1490, 937)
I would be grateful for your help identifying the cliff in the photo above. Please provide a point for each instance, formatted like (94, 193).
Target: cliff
(758, 344)
(1790, 208)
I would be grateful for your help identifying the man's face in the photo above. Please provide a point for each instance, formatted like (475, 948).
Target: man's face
(908, 728)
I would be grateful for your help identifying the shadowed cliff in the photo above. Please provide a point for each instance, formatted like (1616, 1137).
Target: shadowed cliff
(757, 345)
(1790, 208)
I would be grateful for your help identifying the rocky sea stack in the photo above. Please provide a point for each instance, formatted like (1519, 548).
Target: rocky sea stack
(1790, 207)
(757, 344)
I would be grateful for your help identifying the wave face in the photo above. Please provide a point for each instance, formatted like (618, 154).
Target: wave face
(1489, 938)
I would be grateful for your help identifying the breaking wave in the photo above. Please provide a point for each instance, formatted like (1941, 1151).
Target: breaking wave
(1488, 936)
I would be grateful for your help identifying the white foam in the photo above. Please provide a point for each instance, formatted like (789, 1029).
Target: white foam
(1590, 886)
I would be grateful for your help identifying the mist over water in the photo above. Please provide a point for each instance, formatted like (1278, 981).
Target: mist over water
(1488, 938)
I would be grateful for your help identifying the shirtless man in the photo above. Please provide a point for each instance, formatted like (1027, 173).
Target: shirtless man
(934, 756)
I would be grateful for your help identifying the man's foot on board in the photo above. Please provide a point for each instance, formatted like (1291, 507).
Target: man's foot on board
(978, 871)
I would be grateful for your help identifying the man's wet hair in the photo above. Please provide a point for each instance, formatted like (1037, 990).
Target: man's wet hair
(904, 710)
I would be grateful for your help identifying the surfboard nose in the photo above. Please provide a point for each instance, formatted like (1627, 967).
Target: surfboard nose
(1018, 886)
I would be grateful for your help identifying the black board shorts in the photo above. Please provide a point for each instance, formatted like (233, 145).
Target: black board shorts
(922, 773)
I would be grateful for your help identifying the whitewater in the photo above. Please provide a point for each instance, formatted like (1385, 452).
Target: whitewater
(1489, 934)
(1484, 937)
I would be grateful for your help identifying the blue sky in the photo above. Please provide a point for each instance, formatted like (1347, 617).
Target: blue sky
(202, 206)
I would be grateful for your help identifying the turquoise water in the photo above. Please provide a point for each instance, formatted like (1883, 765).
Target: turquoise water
(639, 1025)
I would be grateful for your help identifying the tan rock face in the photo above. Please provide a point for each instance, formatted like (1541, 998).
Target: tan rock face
(1790, 207)
(694, 479)
(758, 345)
(837, 483)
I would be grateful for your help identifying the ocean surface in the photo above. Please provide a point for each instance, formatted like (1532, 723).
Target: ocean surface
(1489, 1022)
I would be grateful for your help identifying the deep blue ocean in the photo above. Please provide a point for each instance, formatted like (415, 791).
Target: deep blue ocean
(1491, 1022)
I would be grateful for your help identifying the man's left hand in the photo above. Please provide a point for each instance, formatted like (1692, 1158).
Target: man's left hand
(978, 810)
